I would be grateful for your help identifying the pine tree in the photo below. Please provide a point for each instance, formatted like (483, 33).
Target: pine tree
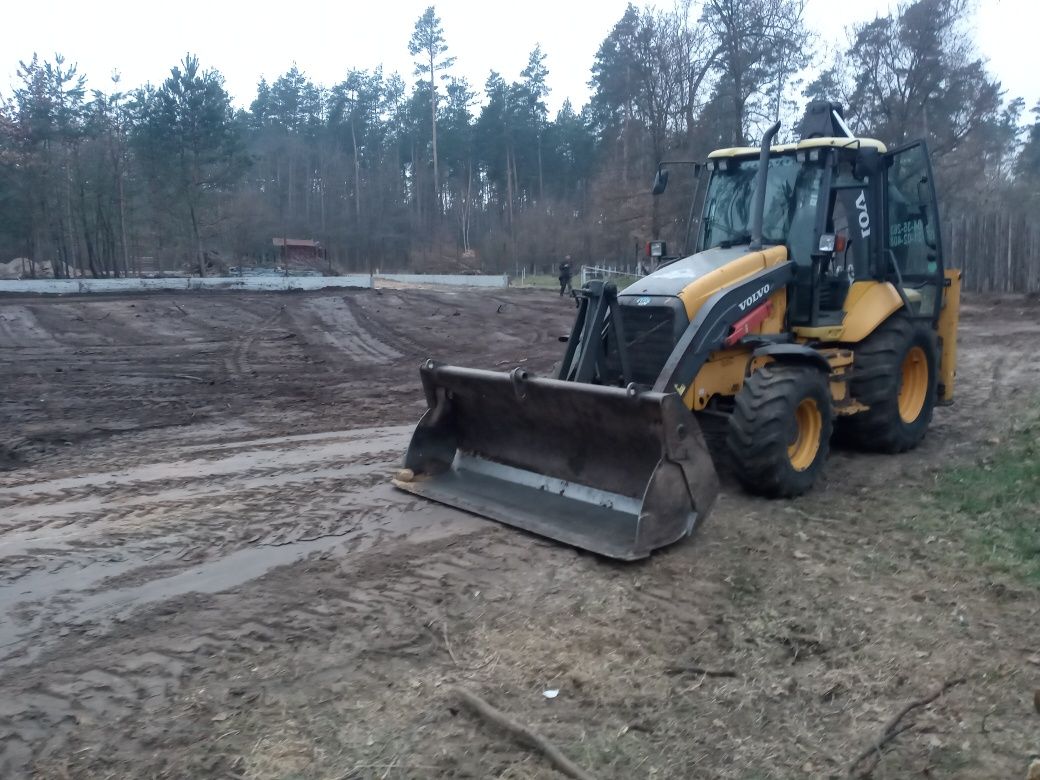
(427, 42)
(189, 138)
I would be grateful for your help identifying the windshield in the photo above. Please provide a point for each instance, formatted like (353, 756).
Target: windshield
(791, 194)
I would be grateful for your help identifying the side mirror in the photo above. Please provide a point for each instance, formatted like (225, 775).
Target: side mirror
(660, 181)
(867, 163)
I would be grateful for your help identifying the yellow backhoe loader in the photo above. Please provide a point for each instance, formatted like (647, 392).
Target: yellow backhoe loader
(815, 296)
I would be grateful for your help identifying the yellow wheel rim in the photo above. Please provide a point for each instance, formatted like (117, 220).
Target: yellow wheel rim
(808, 427)
(913, 387)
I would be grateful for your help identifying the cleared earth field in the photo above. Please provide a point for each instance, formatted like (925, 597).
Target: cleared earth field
(204, 571)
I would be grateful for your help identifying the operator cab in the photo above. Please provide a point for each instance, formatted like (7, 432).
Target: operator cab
(845, 208)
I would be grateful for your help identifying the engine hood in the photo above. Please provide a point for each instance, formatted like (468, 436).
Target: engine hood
(695, 279)
(676, 277)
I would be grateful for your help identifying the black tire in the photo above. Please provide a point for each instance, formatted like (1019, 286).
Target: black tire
(766, 425)
(878, 382)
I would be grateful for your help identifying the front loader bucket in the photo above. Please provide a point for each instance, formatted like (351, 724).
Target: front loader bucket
(615, 471)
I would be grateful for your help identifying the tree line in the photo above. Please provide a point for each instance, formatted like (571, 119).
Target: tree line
(432, 174)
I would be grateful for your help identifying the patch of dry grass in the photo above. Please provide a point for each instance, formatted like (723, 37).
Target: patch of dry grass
(995, 502)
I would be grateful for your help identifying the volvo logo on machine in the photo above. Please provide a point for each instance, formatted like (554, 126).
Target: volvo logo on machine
(643, 300)
(864, 217)
(751, 300)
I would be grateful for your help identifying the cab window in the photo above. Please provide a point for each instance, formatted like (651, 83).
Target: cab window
(911, 213)
(792, 191)
(912, 240)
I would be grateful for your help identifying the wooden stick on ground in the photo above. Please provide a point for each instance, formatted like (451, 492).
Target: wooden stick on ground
(893, 729)
(700, 670)
(521, 733)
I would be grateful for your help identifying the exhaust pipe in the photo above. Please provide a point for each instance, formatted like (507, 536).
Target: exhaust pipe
(760, 187)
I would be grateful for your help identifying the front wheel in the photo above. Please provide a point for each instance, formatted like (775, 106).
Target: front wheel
(779, 432)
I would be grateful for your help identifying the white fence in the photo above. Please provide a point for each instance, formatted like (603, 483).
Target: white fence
(450, 280)
(589, 272)
(282, 283)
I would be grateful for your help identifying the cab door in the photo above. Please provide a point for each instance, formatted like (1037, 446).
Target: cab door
(911, 253)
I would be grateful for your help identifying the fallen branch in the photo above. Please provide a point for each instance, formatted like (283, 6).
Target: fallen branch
(447, 644)
(893, 729)
(700, 670)
(521, 733)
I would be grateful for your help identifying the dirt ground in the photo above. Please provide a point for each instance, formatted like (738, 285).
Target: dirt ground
(204, 572)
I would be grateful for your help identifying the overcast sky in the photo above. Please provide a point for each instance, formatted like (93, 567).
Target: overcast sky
(262, 38)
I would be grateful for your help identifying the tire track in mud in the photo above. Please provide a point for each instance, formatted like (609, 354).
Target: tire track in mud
(343, 331)
(445, 316)
(214, 576)
(393, 331)
(237, 363)
(94, 533)
(152, 544)
(156, 532)
(364, 609)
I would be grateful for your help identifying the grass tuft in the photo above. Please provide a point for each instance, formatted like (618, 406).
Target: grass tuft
(995, 502)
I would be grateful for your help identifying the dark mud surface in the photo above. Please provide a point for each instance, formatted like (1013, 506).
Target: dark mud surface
(204, 573)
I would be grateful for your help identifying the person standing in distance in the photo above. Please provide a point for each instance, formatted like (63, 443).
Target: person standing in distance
(565, 276)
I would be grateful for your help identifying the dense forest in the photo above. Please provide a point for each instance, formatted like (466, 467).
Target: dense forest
(434, 173)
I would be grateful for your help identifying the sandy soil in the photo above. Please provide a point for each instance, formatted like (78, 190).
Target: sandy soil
(204, 572)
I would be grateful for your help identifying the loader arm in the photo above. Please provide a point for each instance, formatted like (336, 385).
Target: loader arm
(585, 359)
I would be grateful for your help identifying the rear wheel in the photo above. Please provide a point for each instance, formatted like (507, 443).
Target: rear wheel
(895, 374)
(780, 429)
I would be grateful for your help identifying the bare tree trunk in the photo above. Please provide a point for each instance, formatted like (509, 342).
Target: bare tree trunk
(416, 184)
(122, 226)
(87, 240)
(1009, 283)
(624, 151)
(289, 186)
(198, 241)
(541, 179)
(68, 228)
(308, 194)
(357, 175)
(433, 122)
(509, 186)
(655, 217)
(468, 210)
(738, 114)
(516, 182)
(324, 198)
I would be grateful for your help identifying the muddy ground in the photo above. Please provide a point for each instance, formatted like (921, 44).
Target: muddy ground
(203, 571)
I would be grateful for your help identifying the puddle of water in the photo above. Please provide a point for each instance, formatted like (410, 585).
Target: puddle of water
(65, 579)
